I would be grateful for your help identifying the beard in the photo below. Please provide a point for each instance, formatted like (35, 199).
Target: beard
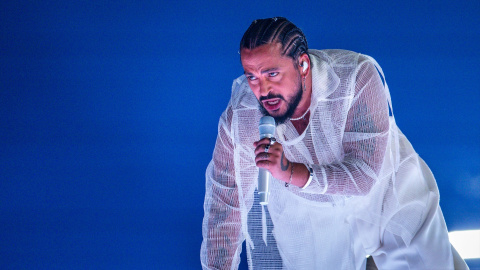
(291, 104)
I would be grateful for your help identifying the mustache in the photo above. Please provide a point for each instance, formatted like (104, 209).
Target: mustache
(270, 96)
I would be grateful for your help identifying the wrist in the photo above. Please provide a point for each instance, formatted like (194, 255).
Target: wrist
(300, 175)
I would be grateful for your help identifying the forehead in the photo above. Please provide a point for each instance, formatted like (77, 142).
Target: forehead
(264, 56)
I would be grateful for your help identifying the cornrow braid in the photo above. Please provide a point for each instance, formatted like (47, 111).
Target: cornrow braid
(272, 30)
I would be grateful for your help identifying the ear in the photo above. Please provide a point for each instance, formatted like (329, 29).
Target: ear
(304, 63)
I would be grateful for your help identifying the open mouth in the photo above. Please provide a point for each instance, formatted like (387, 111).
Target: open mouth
(271, 104)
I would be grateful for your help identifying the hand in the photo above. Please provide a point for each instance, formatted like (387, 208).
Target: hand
(274, 160)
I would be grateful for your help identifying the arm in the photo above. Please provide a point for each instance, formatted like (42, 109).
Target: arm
(222, 221)
(364, 143)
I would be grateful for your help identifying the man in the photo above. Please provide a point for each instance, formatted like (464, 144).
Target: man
(346, 182)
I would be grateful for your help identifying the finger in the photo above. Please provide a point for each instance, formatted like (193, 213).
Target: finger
(262, 141)
(264, 164)
(273, 150)
(261, 148)
(262, 157)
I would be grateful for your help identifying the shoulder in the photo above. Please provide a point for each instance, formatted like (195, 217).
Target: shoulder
(335, 56)
(339, 57)
(345, 62)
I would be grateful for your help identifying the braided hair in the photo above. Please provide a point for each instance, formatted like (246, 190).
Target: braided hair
(272, 30)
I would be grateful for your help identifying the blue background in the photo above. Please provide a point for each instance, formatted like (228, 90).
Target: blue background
(109, 113)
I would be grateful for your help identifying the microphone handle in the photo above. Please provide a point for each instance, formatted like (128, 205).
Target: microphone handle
(263, 185)
(266, 129)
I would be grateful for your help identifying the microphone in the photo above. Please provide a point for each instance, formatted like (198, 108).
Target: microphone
(267, 130)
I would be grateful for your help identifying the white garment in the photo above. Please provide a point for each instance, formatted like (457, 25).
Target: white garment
(371, 193)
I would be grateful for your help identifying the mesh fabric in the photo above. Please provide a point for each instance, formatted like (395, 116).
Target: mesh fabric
(367, 178)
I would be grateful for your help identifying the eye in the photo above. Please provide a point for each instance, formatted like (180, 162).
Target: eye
(251, 78)
(273, 74)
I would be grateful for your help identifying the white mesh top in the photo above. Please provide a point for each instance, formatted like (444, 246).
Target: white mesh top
(371, 194)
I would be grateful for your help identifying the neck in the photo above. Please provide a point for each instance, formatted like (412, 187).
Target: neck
(303, 108)
(304, 104)
(303, 117)
(302, 123)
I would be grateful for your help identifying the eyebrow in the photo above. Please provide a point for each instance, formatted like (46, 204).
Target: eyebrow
(264, 71)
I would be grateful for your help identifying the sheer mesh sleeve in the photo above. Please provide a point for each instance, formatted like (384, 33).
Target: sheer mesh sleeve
(364, 142)
(221, 231)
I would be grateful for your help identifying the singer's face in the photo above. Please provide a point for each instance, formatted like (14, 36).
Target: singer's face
(274, 79)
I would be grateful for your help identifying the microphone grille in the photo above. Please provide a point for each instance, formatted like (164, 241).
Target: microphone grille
(266, 127)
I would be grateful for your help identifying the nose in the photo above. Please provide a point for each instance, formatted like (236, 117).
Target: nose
(264, 88)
